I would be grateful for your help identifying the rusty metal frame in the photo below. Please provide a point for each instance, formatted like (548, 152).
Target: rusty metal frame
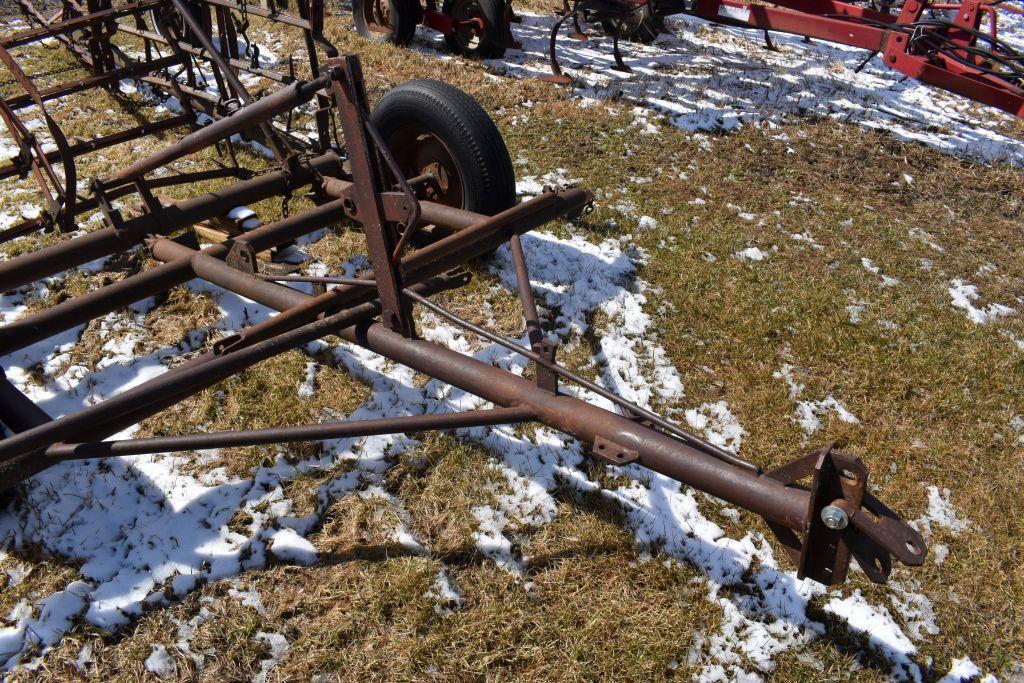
(374, 310)
(183, 44)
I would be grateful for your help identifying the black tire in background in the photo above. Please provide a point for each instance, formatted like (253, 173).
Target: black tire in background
(387, 21)
(434, 127)
(488, 44)
(642, 25)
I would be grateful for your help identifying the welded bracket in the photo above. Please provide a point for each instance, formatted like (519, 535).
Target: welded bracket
(612, 453)
(366, 206)
(546, 378)
(110, 214)
(241, 257)
(843, 520)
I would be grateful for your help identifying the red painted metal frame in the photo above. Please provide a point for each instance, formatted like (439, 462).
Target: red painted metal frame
(837, 22)
(951, 61)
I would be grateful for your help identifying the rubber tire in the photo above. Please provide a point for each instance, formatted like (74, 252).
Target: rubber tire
(644, 31)
(405, 17)
(495, 27)
(472, 139)
(195, 9)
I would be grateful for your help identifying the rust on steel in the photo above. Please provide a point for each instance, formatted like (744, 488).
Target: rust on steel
(818, 505)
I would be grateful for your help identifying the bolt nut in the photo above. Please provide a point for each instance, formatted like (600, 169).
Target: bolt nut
(835, 518)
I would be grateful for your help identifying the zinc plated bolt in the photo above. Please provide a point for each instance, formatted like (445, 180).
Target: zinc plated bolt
(834, 517)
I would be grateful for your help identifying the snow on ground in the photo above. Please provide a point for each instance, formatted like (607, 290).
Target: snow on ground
(704, 77)
(145, 532)
(808, 414)
(963, 295)
(139, 524)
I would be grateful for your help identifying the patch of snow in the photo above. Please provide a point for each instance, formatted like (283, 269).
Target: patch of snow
(287, 545)
(277, 645)
(705, 77)
(160, 663)
(751, 254)
(809, 413)
(887, 281)
(963, 294)
(445, 594)
(881, 631)
(941, 514)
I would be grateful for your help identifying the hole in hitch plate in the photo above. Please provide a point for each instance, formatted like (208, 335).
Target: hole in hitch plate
(612, 452)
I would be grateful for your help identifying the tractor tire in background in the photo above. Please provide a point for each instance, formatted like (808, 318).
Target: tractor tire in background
(486, 44)
(387, 21)
(433, 127)
(642, 25)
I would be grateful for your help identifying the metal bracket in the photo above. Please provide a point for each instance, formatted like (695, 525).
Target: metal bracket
(612, 453)
(364, 156)
(113, 216)
(546, 379)
(839, 488)
(241, 257)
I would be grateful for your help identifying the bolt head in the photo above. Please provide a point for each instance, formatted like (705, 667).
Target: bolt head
(834, 518)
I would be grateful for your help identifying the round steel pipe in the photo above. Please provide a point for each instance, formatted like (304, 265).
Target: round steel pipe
(431, 213)
(314, 432)
(250, 115)
(177, 270)
(659, 452)
(106, 241)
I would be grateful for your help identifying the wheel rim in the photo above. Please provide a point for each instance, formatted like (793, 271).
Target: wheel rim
(419, 152)
(468, 37)
(377, 16)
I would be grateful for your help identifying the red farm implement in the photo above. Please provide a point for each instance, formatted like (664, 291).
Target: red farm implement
(956, 46)
(427, 180)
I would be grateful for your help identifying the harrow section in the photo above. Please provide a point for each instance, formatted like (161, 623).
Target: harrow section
(401, 176)
(197, 52)
(954, 46)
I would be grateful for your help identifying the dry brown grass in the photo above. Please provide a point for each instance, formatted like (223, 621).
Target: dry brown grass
(934, 395)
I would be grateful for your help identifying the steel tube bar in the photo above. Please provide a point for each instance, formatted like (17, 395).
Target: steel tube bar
(229, 75)
(167, 389)
(72, 87)
(282, 101)
(81, 309)
(432, 260)
(17, 411)
(188, 49)
(54, 29)
(314, 432)
(653, 418)
(533, 328)
(76, 251)
(96, 144)
(659, 452)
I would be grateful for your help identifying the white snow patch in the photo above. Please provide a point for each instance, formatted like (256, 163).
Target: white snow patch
(287, 545)
(751, 254)
(963, 294)
(941, 514)
(160, 662)
(809, 413)
(277, 645)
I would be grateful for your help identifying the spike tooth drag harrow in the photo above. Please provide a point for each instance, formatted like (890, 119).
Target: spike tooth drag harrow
(170, 47)
(955, 46)
(425, 211)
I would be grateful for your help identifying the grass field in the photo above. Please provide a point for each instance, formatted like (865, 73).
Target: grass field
(812, 277)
